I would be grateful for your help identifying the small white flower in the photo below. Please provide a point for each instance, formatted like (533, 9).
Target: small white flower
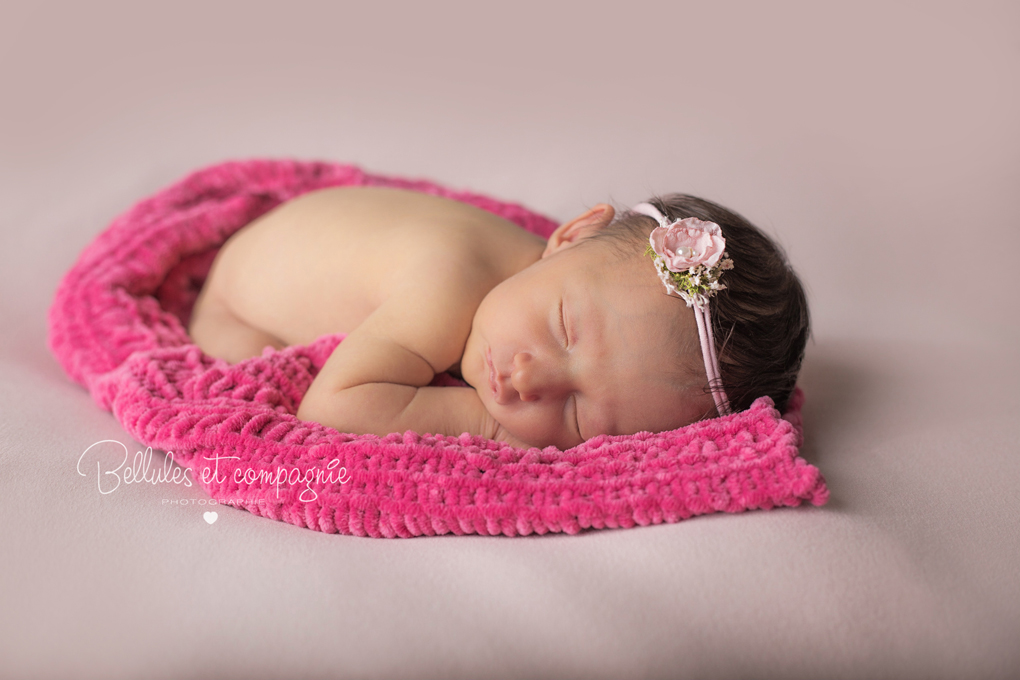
(700, 280)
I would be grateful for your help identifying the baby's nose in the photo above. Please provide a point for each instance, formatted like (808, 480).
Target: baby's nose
(535, 378)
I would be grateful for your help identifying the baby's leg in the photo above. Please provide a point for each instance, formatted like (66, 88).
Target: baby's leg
(221, 334)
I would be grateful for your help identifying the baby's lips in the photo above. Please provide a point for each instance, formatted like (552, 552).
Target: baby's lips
(493, 382)
(501, 392)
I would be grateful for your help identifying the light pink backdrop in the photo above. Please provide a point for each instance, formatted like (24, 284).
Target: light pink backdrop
(878, 141)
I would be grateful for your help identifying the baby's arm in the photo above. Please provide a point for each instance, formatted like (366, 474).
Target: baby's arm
(372, 385)
(376, 380)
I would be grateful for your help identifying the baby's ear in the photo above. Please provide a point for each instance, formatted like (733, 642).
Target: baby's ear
(584, 225)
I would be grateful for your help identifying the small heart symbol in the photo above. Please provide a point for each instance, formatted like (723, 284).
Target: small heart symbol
(210, 517)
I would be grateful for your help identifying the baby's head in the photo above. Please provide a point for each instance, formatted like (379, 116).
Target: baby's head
(588, 340)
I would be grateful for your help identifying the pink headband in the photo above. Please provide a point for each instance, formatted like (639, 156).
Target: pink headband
(689, 258)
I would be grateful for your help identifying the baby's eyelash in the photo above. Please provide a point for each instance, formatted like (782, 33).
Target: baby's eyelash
(577, 419)
(563, 326)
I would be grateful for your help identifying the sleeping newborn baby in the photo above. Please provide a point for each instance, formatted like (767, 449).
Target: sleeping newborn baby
(672, 312)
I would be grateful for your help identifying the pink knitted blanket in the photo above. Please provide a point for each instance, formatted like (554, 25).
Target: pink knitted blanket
(117, 325)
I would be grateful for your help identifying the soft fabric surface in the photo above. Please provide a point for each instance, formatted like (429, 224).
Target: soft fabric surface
(234, 427)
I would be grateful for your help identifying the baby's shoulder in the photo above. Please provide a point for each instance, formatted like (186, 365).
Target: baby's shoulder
(442, 267)
(458, 244)
(433, 285)
(444, 264)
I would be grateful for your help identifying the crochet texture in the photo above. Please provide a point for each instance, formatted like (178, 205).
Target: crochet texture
(118, 327)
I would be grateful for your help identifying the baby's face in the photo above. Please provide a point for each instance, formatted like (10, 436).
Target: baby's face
(583, 343)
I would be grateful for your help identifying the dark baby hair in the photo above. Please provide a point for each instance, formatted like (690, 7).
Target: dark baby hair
(760, 321)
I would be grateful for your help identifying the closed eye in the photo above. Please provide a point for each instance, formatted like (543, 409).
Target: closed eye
(577, 419)
(563, 326)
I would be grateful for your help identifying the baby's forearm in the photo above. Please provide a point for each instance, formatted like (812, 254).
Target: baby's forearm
(382, 408)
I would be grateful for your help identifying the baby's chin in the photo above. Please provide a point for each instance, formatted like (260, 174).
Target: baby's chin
(525, 440)
(510, 433)
(515, 437)
(527, 444)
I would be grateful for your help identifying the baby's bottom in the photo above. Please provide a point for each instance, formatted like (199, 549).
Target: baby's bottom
(222, 334)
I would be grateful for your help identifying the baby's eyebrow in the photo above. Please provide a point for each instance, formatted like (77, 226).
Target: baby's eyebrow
(594, 427)
(593, 416)
(601, 335)
(587, 321)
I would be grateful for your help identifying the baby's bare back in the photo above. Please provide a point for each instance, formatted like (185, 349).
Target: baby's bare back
(324, 262)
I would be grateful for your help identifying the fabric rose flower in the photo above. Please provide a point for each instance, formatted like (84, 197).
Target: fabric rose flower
(688, 243)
